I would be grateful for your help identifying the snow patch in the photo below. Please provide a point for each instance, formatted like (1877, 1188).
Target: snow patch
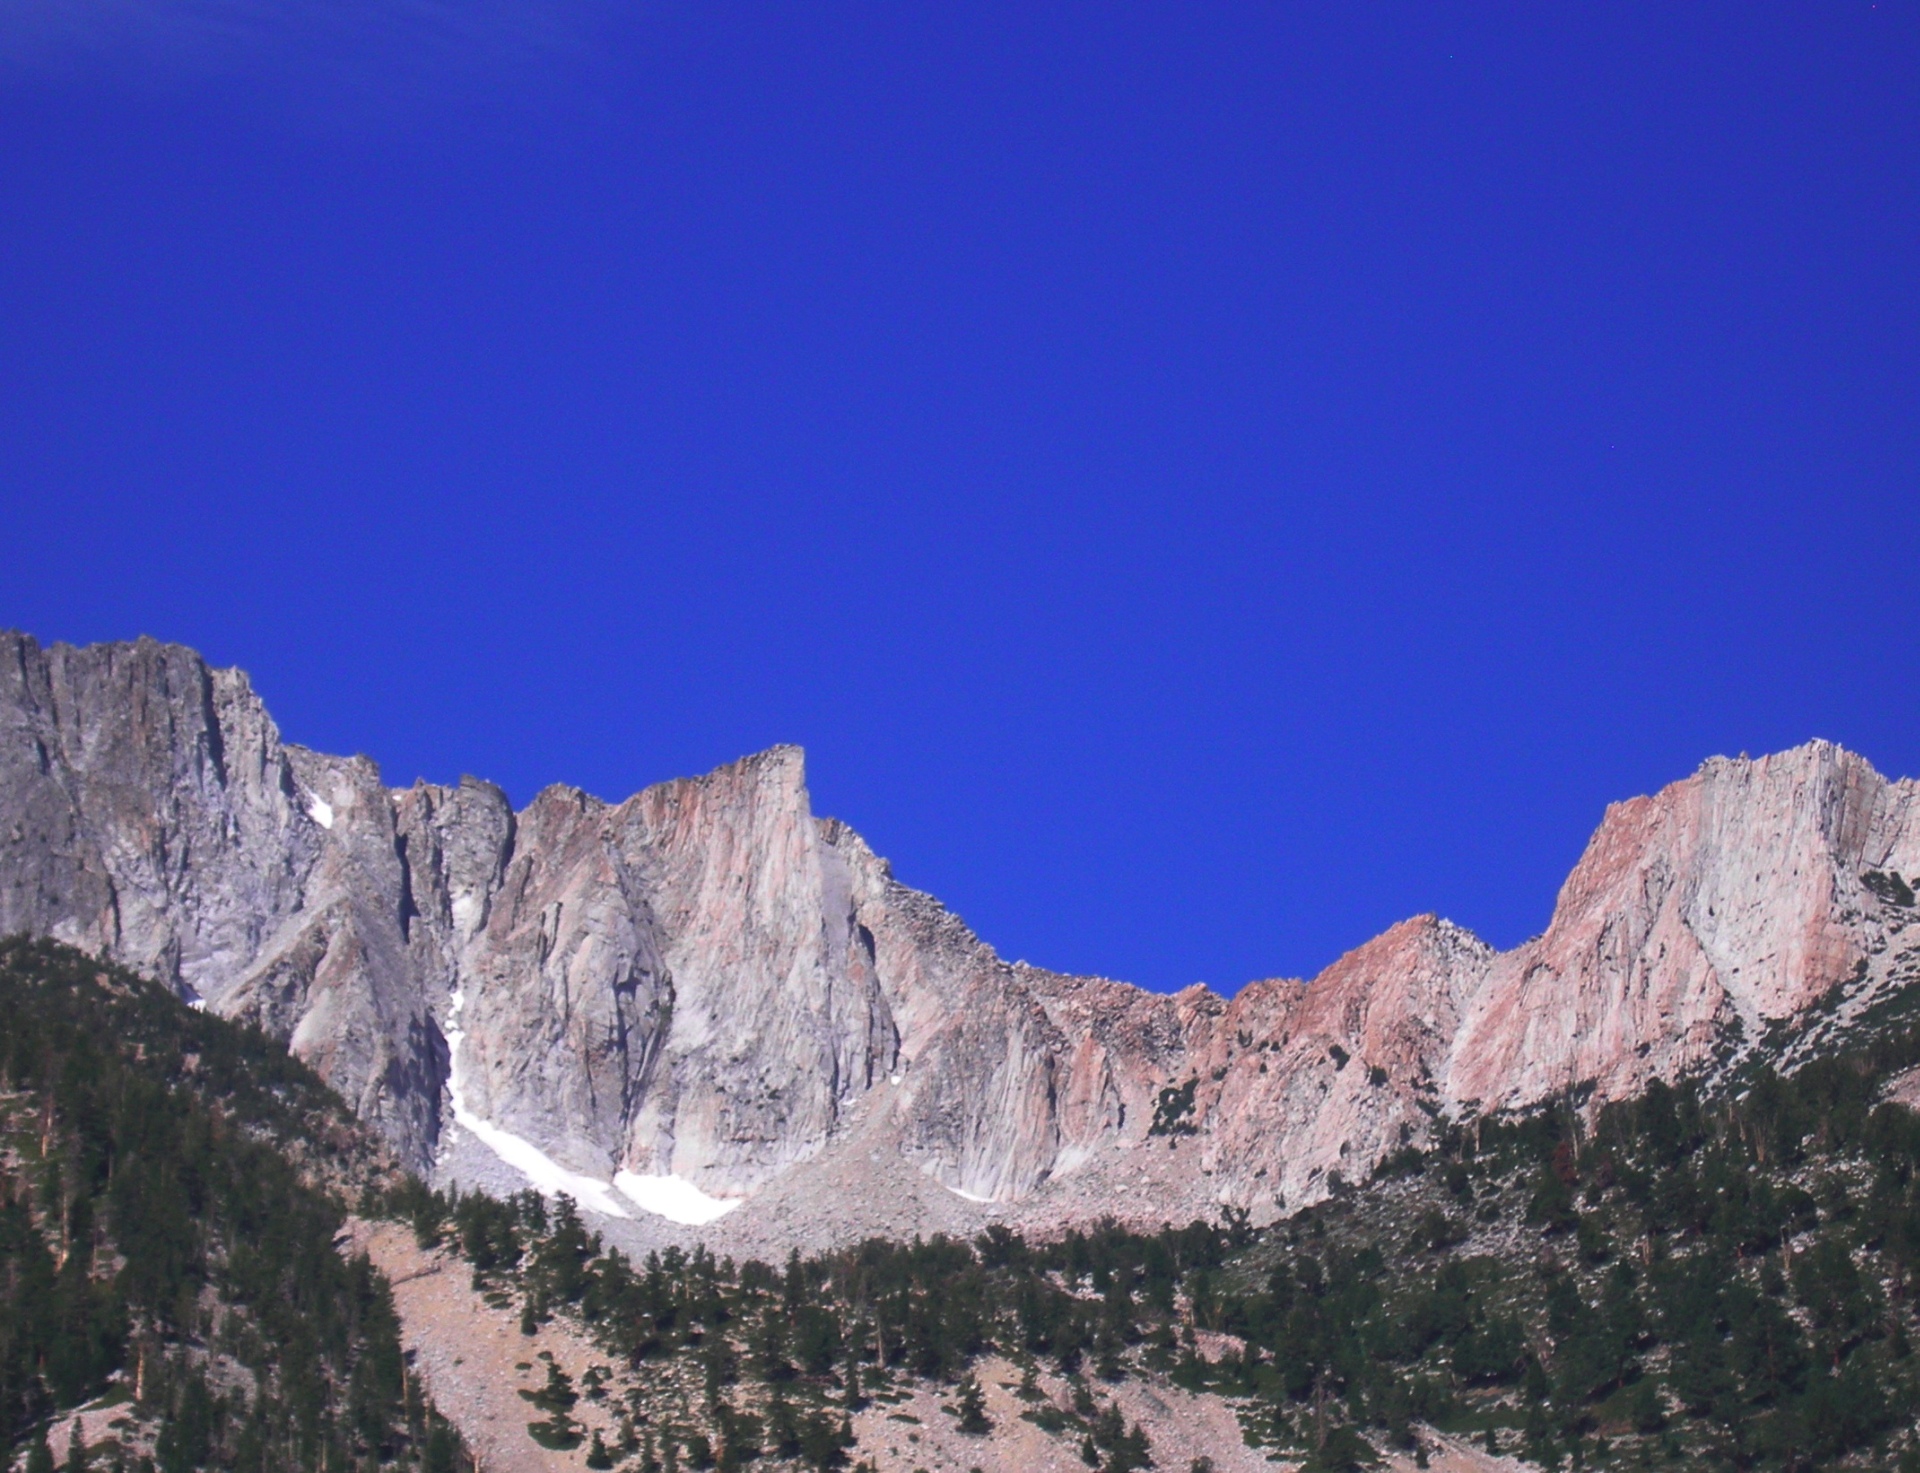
(969, 1196)
(548, 1176)
(320, 811)
(673, 1198)
(466, 912)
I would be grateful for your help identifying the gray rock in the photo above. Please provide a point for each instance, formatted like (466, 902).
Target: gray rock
(707, 980)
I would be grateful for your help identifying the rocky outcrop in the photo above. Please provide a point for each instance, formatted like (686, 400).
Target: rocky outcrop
(1697, 919)
(707, 982)
(151, 813)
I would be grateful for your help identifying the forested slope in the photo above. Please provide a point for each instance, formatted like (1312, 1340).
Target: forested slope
(1675, 1281)
(171, 1188)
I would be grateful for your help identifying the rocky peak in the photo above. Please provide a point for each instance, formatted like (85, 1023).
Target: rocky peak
(707, 990)
(1696, 917)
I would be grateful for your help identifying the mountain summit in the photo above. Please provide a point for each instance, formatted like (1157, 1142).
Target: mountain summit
(706, 998)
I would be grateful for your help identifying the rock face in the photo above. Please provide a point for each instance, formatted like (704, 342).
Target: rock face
(707, 982)
(1739, 897)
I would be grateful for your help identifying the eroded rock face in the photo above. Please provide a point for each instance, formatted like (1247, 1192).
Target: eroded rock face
(1718, 907)
(710, 982)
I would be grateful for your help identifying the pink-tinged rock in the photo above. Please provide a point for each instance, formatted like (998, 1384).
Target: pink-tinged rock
(1731, 899)
(711, 982)
(1328, 1077)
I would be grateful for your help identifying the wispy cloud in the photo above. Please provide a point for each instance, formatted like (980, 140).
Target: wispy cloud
(376, 54)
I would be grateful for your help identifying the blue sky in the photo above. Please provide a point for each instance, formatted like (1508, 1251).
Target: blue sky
(1203, 482)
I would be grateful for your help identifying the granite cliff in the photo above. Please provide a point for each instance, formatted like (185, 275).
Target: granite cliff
(706, 994)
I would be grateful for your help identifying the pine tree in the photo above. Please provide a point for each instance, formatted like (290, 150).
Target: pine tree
(40, 1456)
(77, 1461)
(597, 1454)
(558, 1394)
(783, 1427)
(441, 1454)
(1030, 1386)
(716, 1364)
(557, 1399)
(973, 1408)
(793, 1288)
(854, 1398)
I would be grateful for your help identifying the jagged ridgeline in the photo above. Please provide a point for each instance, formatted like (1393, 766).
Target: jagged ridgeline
(1677, 1280)
(171, 1190)
(707, 1005)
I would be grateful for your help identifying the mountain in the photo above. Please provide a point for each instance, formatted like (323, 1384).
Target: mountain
(1673, 1280)
(706, 997)
(1721, 1282)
